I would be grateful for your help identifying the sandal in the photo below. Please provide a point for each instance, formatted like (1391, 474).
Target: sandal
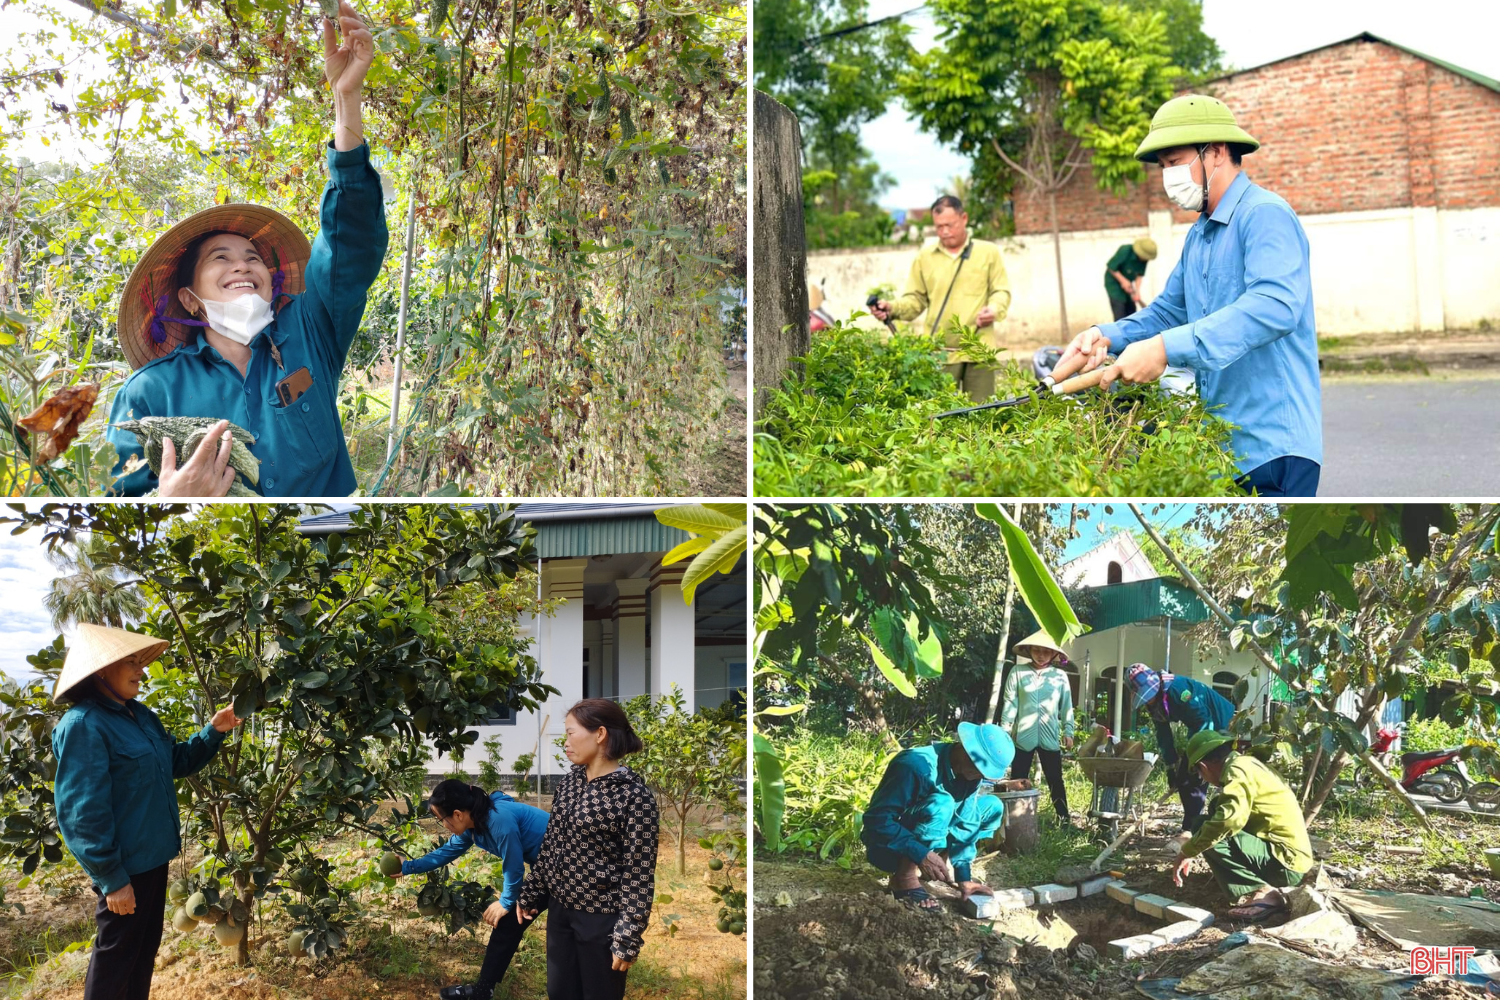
(1260, 909)
(917, 899)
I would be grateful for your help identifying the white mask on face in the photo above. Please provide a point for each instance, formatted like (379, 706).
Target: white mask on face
(241, 319)
(1182, 190)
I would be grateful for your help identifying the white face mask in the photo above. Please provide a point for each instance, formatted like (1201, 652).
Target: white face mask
(241, 319)
(1182, 190)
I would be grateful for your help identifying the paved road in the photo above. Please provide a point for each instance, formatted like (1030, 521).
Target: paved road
(1396, 437)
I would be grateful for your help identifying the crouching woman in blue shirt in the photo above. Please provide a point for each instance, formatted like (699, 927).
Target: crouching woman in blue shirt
(231, 314)
(116, 802)
(927, 812)
(512, 831)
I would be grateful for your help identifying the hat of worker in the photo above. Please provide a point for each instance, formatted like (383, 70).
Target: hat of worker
(1203, 743)
(1145, 248)
(1193, 120)
(153, 323)
(1145, 680)
(989, 747)
(95, 647)
(1037, 640)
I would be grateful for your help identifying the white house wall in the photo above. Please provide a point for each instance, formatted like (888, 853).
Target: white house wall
(1389, 270)
(713, 678)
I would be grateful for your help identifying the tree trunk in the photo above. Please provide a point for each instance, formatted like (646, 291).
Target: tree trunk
(1010, 602)
(1309, 777)
(682, 845)
(242, 950)
(1062, 295)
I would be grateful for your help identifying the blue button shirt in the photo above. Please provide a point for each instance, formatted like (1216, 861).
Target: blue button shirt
(1238, 311)
(513, 834)
(301, 447)
(116, 801)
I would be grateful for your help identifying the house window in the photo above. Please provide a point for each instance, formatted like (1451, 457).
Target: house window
(502, 714)
(1224, 682)
(1114, 574)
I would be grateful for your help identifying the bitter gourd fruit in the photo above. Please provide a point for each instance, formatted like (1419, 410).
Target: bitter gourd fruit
(186, 434)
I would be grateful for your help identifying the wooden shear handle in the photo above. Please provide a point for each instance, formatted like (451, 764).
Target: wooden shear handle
(1078, 383)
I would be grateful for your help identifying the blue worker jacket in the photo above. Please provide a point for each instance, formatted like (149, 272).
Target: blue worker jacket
(301, 447)
(114, 792)
(1238, 311)
(922, 806)
(1194, 704)
(513, 833)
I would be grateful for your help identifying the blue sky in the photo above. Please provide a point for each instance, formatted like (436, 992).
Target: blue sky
(25, 626)
(1248, 34)
(1100, 525)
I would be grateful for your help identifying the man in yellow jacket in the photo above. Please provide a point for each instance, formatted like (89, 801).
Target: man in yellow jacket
(1254, 838)
(955, 278)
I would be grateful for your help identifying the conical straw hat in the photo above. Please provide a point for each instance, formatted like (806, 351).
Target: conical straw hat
(1039, 639)
(96, 647)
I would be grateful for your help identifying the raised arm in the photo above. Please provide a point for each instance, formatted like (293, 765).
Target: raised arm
(447, 854)
(345, 64)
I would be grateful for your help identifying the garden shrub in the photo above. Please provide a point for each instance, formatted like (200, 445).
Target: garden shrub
(856, 420)
(829, 781)
(1432, 734)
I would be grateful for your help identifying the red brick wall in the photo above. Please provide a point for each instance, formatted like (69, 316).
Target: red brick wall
(1354, 127)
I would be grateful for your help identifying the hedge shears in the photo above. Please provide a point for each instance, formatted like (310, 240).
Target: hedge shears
(1046, 386)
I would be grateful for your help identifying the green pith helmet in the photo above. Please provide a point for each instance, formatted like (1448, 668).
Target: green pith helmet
(1145, 248)
(1192, 120)
(1199, 746)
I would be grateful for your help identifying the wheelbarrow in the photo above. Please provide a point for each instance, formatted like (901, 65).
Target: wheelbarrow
(1117, 783)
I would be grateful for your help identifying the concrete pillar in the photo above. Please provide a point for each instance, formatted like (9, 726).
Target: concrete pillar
(630, 638)
(780, 292)
(1119, 685)
(1427, 268)
(673, 639)
(562, 662)
(610, 680)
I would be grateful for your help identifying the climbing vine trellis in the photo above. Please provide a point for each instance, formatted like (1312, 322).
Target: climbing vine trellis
(579, 175)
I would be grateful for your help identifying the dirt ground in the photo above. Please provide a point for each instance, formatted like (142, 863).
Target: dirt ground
(393, 953)
(826, 933)
(719, 469)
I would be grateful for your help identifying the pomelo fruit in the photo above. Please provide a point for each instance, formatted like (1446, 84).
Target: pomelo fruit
(180, 890)
(227, 934)
(182, 921)
(294, 943)
(723, 927)
(715, 864)
(390, 864)
(737, 927)
(196, 906)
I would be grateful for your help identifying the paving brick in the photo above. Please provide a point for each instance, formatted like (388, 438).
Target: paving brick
(1134, 947)
(1180, 931)
(1121, 893)
(1094, 886)
(1153, 905)
(1054, 893)
(1182, 911)
(988, 907)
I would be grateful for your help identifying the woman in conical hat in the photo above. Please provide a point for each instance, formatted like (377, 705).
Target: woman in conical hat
(232, 314)
(1038, 714)
(115, 799)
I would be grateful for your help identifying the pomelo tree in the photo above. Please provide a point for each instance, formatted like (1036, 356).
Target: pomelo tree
(334, 645)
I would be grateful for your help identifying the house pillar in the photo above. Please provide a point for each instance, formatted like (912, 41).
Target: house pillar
(673, 636)
(630, 638)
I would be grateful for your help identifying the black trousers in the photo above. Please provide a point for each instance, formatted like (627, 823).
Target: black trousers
(125, 944)
(1121, 307)
(504, 940)
(578, 956)
(1051, 769)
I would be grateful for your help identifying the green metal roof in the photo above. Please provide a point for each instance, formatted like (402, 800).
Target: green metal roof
(605, 536)
(1146, 600)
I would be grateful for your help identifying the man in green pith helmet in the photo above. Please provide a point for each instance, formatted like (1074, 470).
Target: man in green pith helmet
(1123, 274)
(1254, 839)
(1237, 309)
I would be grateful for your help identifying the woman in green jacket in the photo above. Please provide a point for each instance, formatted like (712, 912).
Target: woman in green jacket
(232, 314)
(116, 802)
(1038, 713)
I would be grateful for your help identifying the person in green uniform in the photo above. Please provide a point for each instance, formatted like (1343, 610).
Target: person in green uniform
(231, 314)
(957, 278)
(1254, 839)
(116, 799)
(1038, 713)
(1123, 273)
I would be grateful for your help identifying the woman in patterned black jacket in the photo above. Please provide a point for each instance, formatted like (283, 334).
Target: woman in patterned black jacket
(596, 872)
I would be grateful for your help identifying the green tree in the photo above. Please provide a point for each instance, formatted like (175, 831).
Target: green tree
(89, 588)
(689, 760)
(1048, 86)
(333, 643)
(835, 80)
(1194, 51)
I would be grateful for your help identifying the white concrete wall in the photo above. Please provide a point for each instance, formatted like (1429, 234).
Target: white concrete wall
(1392, 270)
(714, 680)
(673, 636)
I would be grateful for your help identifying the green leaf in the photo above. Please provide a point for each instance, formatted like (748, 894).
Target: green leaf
(929, 652)
(690, 547)
(703, 565)
(770, 792)
(1033, 580)
(781, 710)
(698, 519)
(898, 680)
